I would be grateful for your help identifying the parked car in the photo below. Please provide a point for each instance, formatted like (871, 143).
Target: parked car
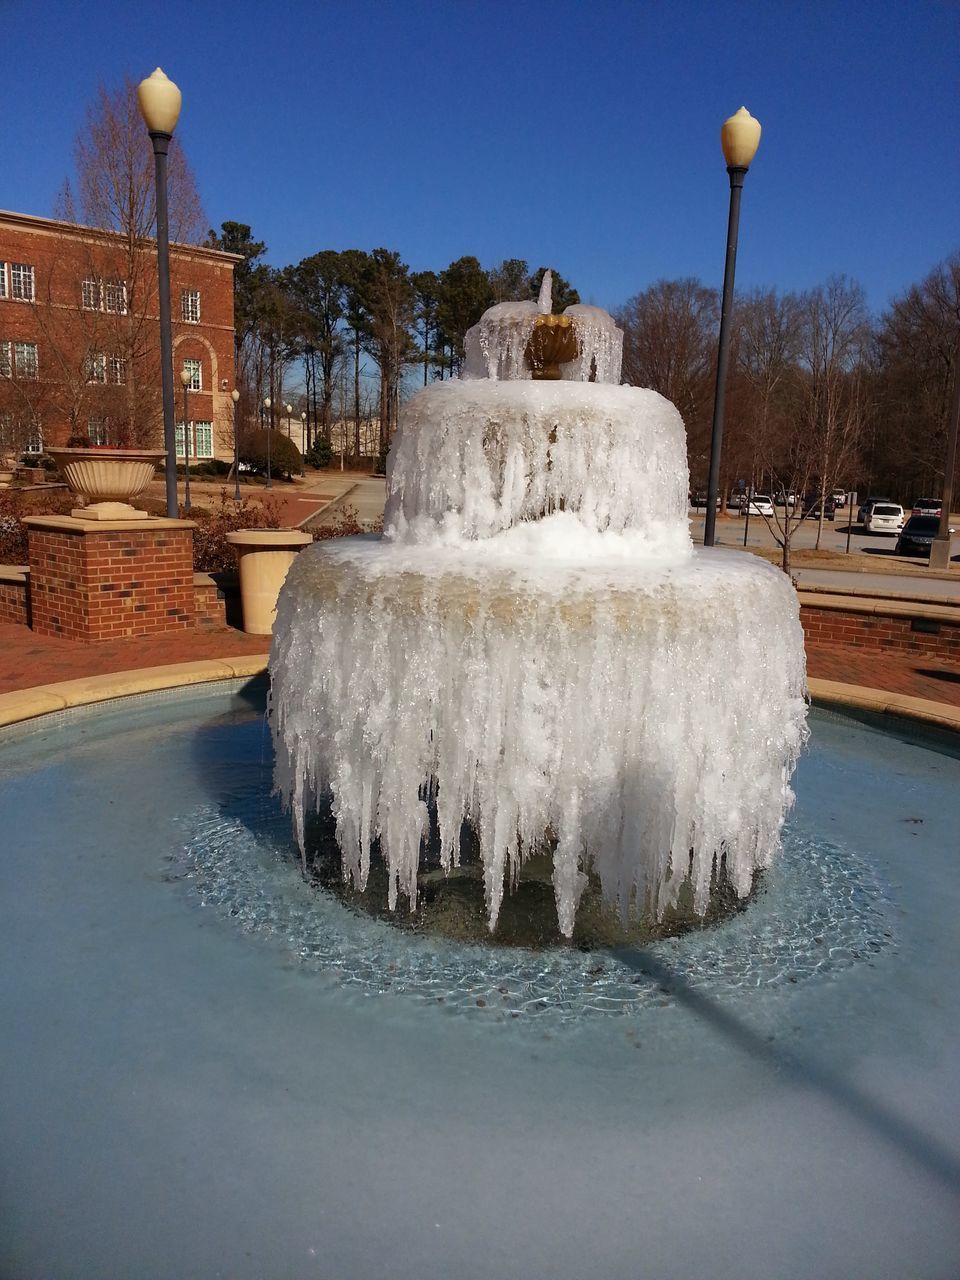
(760, 505)
(782, 499)
(867, 504)
(927, 507)
(839, 498)
(811, 506)
(918, 535)
(883, 517)
(700, 499)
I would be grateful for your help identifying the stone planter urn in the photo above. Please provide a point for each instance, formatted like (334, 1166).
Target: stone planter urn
(108, 479)
(265, 556)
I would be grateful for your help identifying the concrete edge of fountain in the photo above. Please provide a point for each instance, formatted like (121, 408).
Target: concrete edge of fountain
(27, 704)
(835, 693)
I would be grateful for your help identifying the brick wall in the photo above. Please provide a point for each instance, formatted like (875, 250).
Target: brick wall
(13, 600)
(895, 633)
(101, 584)
(208, 603)
(63, 255)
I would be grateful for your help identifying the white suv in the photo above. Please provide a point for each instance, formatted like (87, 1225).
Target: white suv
(883, 517)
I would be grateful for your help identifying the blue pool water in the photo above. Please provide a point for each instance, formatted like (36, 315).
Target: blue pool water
(208, 1070)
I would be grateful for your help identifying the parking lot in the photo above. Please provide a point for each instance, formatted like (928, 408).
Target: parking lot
(730, 531)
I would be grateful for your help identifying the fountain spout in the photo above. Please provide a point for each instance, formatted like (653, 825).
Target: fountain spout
(545, 299)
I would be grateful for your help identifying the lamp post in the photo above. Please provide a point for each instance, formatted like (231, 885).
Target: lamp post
(289, 411)
(303, 440)
(235, 396)
(159, 100)
(185, 383)
(940, 547)
(267, 402)
(739, 138)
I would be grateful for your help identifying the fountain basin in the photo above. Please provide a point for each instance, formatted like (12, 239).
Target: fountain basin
(194, 1080)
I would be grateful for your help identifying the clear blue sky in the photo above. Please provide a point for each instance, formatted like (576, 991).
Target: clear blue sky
(580, 135)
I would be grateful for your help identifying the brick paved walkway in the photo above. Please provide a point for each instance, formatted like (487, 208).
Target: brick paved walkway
(27, 660)
(916, 676)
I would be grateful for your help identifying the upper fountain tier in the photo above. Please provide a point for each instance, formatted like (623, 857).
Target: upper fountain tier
(503, 345)
(517, 341)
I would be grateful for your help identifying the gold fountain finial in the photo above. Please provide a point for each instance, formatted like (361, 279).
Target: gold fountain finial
(553, 341)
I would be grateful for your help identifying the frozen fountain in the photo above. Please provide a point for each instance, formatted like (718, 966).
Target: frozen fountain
(533, 667)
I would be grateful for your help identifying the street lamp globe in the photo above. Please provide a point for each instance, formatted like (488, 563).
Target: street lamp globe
(267, 402)
(159, 100)
(739, 138)
(235, 395)
(184, 378)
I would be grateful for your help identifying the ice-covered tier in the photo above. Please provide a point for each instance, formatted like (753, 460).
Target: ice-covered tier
(474, 458)
(496, 347)
(643, 719)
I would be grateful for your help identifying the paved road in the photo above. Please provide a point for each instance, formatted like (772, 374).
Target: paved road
(730, 533)
(365, 496)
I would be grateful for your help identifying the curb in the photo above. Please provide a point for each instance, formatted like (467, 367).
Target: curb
(835, 693)
(26, 704)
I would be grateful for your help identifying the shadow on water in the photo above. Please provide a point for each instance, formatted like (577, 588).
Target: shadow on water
(937, 1160)
(253, 693)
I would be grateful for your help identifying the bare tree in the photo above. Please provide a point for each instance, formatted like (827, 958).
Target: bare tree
(114, 168)
(767, 384)
(916, 356)
(670, 344)
(109, 322)
(836, 339)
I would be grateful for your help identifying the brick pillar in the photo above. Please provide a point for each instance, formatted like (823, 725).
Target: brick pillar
(106, 579)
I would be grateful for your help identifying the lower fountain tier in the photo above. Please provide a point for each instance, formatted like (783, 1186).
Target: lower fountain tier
(642, 719)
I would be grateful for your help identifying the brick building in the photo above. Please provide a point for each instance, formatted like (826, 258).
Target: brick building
(80, 342)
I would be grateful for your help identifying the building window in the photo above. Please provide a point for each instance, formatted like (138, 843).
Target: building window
(17, 436)
(190, 305)
(118, 370)
(25, 359)
(21, 282)
(6, 359)
(115, 297)
(3, 279)
(104, 295)
(96, 367)
(203, 439)
(97, 431)
(194, 369)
